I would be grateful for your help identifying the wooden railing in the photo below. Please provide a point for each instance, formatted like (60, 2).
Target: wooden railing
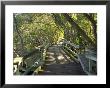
(36, 65)
(87, 58)
(88, 62)
(71, 50)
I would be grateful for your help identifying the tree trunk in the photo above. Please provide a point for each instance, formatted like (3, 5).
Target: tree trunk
(75, 25)
(21, 39)
(90, 18)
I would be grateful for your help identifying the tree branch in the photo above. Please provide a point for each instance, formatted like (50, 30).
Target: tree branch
(75, 25)
(93, 23)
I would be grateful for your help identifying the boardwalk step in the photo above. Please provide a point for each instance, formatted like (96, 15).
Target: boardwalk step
(50, 62)
(57, 64)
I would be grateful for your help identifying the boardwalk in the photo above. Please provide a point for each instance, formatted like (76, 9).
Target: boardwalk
(58, 63)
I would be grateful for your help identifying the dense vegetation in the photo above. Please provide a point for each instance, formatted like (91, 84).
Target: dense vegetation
(35, 29)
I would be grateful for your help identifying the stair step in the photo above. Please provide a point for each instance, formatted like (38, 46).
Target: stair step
(50, 62)
(50, 59)
(50, 53)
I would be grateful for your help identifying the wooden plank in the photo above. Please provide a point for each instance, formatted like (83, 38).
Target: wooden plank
(18, 59)
(71, 55)
(33, 68)
(85, 63)
(91, 57)
(91, 54)
(80, 58)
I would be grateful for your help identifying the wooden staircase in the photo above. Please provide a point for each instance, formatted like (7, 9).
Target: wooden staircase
(56, 63)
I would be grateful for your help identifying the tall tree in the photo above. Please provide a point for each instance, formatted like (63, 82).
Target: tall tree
(74, 24)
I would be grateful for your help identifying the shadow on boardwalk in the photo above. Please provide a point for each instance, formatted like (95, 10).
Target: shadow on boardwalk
(58, 63)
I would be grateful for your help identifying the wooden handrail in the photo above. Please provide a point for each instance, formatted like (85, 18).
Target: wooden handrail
(40, 61)
(33, 68)
(87, 55)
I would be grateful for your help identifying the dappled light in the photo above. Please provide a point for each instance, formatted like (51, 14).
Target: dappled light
(55, 43)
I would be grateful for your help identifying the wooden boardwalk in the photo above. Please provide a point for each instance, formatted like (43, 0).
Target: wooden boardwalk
(58, 63)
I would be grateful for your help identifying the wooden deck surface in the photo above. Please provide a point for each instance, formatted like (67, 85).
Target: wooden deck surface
(58, 63)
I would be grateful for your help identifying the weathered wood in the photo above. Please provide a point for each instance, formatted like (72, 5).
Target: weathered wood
(18, 59)
(71, 54)
(91, 54)
(17, 62)
(32, 68)
(40, 61)
(63, 69)
(85, 62)
(70, 51)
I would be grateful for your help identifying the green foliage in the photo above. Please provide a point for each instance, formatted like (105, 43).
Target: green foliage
(35, 29)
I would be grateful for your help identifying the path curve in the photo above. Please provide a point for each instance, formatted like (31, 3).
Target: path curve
(58, 63)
